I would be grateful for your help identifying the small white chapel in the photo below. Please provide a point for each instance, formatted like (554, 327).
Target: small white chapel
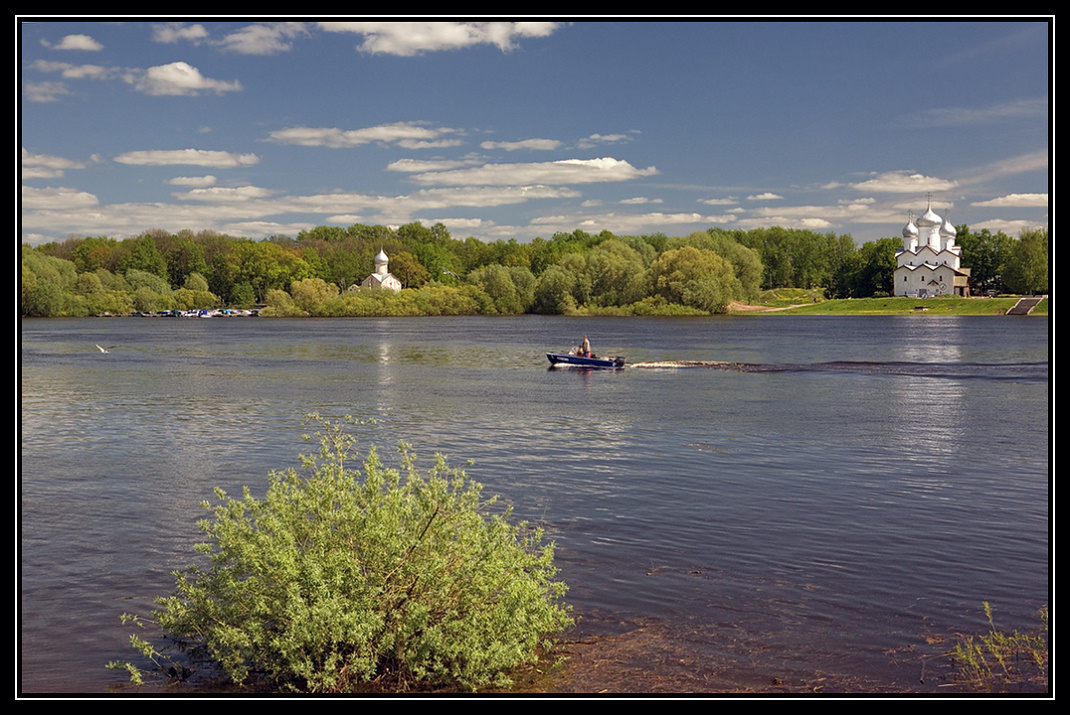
(929, 263)
(382, 277)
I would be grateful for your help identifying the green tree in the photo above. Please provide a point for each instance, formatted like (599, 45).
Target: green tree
(497, 282)
(554, 292)
(195, 281)
(696, 278)
(279, 304)
(525, 282)
(746, 263)
(414, 234)
(96, 252)
(986, 255)
(243, 295)
(438, 258)
(143, 279)
(340, 576)
(576, 264)
(111, 281)
(322, 233)
(144, 255)
(264, 265)
(797, 258)
(147, 300)
(310, 294)
(407, 268)
(186, 258)
(88, 284)
(616, 273)
(843, 264)
(194, 294)
(1026, 269)
(47, 286)
(876, 268)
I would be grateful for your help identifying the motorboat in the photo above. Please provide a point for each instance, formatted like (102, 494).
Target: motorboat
(576, 360)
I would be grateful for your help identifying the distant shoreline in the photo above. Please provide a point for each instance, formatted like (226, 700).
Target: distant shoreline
(848, 306)
(897, 306)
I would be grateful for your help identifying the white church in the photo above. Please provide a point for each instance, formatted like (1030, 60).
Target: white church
(382, 277)
(929, 263)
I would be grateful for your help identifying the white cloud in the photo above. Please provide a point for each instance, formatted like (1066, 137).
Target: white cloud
(178, 79)
(468, 224)
(44, 91)
(419, 165)
(815, 217)
(76, 42)
(57, 199)
(247, 211)
(71, 71)
(221, 194)
(814, 223)
(1011, 228)
(195, 157)
(266, 39)
(197, 182)
(853, 211)
(1017, 200)
(409, 135)
(408, 39)
(961, 116)
(600, 139)
(1025, 163)
(767, 196)
(567, 171)
(899, 182)
(535, 144)
(43, 166)
(626, 224)
(175, 31)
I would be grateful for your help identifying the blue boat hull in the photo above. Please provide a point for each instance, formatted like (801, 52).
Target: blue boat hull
(578, 361)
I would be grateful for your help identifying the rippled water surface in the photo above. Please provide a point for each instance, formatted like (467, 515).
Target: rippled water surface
(844, 489)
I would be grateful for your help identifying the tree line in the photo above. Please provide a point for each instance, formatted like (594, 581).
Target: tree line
(319, 271)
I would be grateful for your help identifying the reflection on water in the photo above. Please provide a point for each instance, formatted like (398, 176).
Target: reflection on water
(835, 498)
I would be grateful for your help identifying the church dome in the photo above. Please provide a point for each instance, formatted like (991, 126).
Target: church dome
(381, 258)
(929, 218)
(948, 229)
(910, 230)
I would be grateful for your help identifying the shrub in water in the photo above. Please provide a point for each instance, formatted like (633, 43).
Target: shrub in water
(998, 661)
(339, 577)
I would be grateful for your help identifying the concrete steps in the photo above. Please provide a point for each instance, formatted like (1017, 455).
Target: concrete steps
(1024, 306)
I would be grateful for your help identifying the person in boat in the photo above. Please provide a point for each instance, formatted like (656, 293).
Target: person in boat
(585, 347)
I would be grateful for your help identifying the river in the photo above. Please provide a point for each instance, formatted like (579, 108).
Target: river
(833, 506)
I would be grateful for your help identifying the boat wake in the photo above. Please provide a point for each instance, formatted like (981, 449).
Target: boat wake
(1027, 371)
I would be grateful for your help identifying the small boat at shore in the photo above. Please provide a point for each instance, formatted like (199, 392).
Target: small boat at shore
(583, 361)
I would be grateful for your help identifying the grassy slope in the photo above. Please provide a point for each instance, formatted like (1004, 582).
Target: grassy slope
(803, 303)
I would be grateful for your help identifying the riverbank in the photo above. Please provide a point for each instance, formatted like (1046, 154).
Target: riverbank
(660, 658)
(946, 305)
(784, 301)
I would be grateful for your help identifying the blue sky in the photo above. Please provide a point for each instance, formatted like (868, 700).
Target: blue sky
(506, 130)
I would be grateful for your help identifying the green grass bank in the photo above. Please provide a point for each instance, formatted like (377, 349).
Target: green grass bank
(802, 302)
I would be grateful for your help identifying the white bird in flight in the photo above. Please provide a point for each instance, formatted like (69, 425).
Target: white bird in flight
(103, 350)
